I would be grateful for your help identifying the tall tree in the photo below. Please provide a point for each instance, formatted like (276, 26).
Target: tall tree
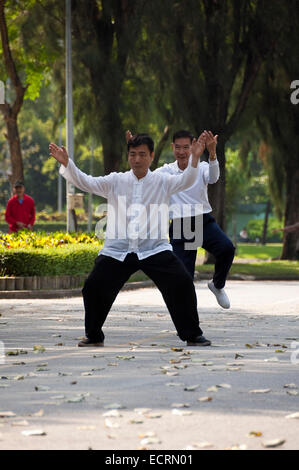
(10, 112)
(211, 53)
(105, 33)
(282, 116)
(26, 61)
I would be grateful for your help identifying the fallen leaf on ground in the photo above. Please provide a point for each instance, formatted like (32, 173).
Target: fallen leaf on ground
(142, 411)
(180, 405)
(191, 388)
(293, 416)
(7, 414)
(180, 412)
(110, 424)
(41, 388)
(112, 414)
(34, 432)
(204, 399)
(150, 440)
(274, 443)
(202, 445)
(293, 386)
(114, 406)
(153, 415)
(255, 434)
(20, 423)
(38, 348)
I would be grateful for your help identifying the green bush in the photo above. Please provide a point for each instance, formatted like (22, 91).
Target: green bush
(68, 259)
(255, 229)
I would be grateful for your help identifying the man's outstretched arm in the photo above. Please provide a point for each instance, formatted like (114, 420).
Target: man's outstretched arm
(99, 185)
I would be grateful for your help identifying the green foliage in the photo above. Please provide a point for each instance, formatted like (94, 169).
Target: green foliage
(69, 259)
(255, 229)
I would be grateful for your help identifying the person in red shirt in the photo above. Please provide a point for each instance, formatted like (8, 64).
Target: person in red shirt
(20, 209)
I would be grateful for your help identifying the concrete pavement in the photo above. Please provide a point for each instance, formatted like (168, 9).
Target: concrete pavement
(145, 388)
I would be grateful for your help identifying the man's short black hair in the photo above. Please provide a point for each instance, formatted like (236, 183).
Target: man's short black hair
(18, 184)
(141, 139)
(182, 134)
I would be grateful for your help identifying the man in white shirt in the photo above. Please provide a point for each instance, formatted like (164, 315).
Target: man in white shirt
(214, 239)
(134, 240)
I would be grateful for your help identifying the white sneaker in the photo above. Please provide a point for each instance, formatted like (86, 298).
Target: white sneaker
(220, 295)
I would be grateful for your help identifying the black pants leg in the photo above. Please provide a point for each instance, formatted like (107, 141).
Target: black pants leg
(219, 245)
(188, 257)
(215, 242)
(177, 289)
(100, 290)
(109, 275)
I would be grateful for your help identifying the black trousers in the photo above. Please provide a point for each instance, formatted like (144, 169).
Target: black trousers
(168, 273)
(214, 241)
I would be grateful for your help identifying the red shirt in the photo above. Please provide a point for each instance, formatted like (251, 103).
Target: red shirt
(17, 212)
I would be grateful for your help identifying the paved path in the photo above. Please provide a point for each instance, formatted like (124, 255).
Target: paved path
(65, 392)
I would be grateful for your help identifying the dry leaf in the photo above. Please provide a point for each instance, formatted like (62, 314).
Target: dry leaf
(38, 348)
(191, 388)
(180, 405)
(274, 443)
(110, 424)
(290, 386)
(112, 414)
(20, 423)
(114, 406)
(142, 411)
(34, 432)
(180, 412)
(255, 434)
(293, 416)
(153, 415)
(7, 414)
(150, 440)
(205, 399)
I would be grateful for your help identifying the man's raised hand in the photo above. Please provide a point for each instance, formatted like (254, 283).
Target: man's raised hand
(211, 142)
(198, 146)
(128, 136)
(59, 153)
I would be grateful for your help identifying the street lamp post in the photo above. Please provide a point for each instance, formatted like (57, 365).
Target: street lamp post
(70, 189)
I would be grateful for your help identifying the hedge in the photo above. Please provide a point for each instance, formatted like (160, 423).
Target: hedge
(67, 259)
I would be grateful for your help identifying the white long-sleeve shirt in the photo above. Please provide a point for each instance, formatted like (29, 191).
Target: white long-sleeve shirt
(137, 208)
(196, 196)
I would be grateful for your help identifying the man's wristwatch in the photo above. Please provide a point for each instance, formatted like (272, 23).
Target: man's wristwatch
(212, 157)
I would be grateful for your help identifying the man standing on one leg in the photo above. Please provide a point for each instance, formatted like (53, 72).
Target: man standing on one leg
(129, 244)
(214, 239)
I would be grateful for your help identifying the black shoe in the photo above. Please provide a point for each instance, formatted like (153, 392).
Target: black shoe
(88, 342)
(199, 341)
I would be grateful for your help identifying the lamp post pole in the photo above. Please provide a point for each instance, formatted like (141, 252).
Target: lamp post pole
(70, 189)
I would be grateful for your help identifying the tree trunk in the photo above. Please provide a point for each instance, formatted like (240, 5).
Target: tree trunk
(15, 150)
(112, 140)
(10, 112)
(290, 240)
(160, 147)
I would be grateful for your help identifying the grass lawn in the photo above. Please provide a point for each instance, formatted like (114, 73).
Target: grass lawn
(253, 251)
(259, 268)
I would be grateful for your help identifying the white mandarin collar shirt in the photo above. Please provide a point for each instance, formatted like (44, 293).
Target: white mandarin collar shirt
(137, 208)
(196, 196)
